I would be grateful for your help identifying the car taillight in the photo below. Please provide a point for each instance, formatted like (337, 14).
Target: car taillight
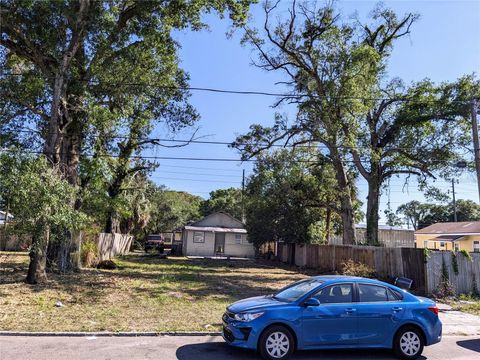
(433, 309)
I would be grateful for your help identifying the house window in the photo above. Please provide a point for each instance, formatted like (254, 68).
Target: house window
(198, 237)
(457, 247)
(238, 239)
(476, 246)
(425, 244)
(442, 244)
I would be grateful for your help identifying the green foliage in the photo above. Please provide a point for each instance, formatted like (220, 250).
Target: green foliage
(420, 215)
(392, 219)
(353, 268)
(445, 288)
(466, 254)
(426, 253)
(288, 199)
(226, 200)
(38, 195)
(454, 263)
(444, 274)
(89, 252)
(168, 210)
(475, 290)
(76, 74)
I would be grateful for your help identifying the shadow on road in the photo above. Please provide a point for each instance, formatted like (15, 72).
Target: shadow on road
(220, 350)
(473, 344)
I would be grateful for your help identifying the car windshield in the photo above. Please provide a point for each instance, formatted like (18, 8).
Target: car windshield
(297, 290)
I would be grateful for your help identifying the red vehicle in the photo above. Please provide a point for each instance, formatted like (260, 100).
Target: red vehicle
(157, 241)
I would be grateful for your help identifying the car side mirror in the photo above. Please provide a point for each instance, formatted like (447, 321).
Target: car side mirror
(311, 302)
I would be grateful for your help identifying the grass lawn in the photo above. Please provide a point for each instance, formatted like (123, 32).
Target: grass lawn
(473, 308)
(144, 294)
(468, 303)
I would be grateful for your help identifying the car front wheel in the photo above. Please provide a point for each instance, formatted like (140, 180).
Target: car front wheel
(408, 343)
(276, 343)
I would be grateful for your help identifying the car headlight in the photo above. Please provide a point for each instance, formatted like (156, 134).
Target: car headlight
(248, 316)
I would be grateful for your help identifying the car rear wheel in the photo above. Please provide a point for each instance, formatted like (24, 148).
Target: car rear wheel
(408, 343)
(276, 343)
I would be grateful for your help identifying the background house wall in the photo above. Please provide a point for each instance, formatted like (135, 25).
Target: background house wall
(466, 243)
(244, 249)
(200, 249)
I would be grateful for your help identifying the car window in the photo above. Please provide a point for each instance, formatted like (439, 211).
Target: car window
(375, 293)
(335, 294)
(297, 290)
(394, 295)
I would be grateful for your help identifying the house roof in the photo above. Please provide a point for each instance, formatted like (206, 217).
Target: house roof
(215, 213)
(383, 227)
(452, 228)
(216, 229)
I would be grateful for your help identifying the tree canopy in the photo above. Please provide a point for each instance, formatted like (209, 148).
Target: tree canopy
(227, 200)
(90, 79)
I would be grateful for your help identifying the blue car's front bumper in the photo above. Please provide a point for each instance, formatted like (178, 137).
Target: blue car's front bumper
(240, 334)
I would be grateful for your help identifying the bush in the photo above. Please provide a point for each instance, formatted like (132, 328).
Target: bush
(445, 288)
(107, 265)
(466, 254)
(89, 253)
(353, 268)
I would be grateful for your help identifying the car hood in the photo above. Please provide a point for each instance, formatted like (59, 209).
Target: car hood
(254, 303)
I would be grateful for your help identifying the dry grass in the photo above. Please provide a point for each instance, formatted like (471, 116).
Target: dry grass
(144, 294)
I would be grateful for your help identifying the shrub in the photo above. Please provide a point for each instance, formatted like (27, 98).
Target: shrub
(89, 253)
(466, 254)
(454, 263)
(445, 288)
(107, 265)
(353, 268)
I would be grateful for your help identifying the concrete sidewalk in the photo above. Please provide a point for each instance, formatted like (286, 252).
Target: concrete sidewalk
(459, 323)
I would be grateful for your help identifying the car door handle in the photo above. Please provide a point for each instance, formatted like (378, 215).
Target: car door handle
(349, 311)
(397, 309)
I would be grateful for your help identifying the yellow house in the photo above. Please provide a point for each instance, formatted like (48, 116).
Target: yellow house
(450, 236)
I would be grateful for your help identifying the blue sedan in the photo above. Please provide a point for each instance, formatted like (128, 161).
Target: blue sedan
(333, 312)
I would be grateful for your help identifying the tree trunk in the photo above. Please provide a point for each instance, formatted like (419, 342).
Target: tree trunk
(38, 258)
(373, 203)
(346, 203)
(328, 221)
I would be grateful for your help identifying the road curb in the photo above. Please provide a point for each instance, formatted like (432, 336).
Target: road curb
(109, 333)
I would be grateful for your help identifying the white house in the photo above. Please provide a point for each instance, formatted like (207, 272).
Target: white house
(217, 234)
(3, 215)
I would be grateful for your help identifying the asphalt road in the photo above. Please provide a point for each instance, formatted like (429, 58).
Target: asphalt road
(196, 348)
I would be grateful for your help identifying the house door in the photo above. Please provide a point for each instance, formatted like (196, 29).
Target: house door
(219, 243)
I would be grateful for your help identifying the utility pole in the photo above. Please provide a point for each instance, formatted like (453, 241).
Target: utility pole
(476, 146)
(454, 202)
(243, 196)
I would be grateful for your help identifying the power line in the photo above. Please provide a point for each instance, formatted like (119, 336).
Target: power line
(196, 174)
(245, 92)
(197, 180)
(155, 142)
(148, 157)
(196, 167)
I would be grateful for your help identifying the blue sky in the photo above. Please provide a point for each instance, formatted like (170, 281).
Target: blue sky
(444, 45)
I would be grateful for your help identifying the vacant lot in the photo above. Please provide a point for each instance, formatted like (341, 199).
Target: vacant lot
(144, 294)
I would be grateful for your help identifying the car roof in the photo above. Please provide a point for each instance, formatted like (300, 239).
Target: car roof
(342, 278)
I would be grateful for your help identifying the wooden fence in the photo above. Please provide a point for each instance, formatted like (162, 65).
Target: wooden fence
(110, 245)
(464, 279)
(388, 263)
(13, 242)
(390, 237)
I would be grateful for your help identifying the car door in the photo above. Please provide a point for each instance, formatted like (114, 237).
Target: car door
(379, 312)
(333, 322)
